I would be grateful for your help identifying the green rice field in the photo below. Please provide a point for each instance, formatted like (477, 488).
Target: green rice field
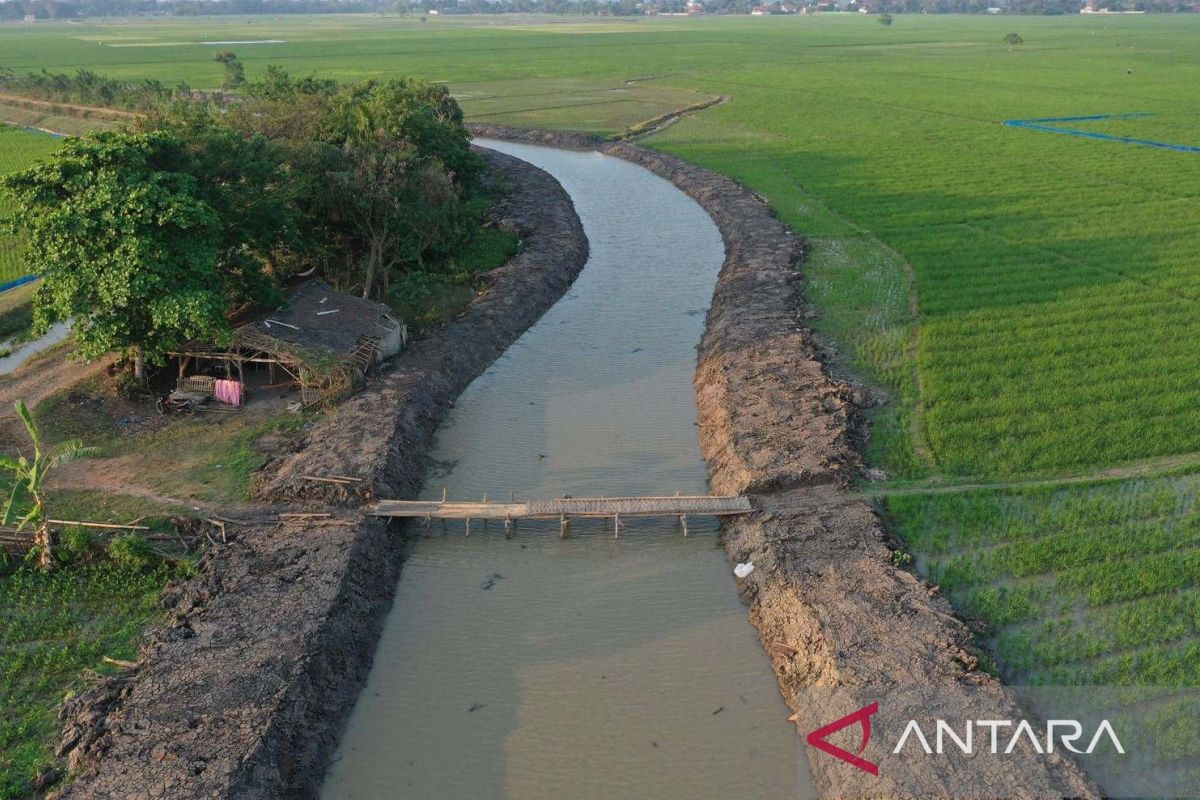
(1088, 584)
(18, 149)
(1027, 301)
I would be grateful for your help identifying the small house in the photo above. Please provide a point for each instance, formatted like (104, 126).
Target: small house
(320, 341)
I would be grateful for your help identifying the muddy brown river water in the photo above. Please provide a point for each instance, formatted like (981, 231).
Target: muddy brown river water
(592, 667)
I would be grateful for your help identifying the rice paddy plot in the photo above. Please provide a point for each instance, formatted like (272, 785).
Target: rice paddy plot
(1090, 584)
(18, 149)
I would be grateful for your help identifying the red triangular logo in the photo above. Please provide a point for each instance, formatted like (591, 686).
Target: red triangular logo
(818, 738)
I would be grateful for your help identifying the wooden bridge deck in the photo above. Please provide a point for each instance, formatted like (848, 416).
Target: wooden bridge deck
(565, 507)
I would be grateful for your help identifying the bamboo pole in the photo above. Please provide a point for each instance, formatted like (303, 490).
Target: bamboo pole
(82, 524)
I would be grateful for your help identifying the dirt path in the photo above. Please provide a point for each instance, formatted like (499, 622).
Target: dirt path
(116, 476)
(37, 379)
(1139, 469)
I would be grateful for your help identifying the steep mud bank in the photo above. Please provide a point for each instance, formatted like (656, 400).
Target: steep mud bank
(245, 689)
(831, 609)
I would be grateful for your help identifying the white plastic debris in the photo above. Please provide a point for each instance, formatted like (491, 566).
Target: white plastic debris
(742, 570)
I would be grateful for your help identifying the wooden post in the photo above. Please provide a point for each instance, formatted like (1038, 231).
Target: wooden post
(562, 526)
(443, 494)
(683, 522)
(468, 526)
(616, 526)
(485, 521)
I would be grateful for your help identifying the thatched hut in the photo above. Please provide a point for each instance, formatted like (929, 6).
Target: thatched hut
(322, 339)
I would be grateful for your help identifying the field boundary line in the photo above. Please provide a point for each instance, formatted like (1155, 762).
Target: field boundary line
(1153, 468)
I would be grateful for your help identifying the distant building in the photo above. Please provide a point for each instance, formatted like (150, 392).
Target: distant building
(695, 7)
(995, 10)
(760, 11)
(788, 8)
(31, 17)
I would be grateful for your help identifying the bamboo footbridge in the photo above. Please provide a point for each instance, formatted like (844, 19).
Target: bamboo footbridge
(564, 509)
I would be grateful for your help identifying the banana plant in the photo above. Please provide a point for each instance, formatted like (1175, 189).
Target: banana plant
(29, 479)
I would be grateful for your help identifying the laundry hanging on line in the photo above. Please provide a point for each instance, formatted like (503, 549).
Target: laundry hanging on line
(228, 391)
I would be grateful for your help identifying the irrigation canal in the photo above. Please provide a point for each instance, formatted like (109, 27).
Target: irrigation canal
(539, 667)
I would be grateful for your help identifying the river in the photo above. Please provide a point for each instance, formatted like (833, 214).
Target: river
(540, 668)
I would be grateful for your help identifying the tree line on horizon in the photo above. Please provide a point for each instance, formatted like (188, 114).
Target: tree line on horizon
(72, 9)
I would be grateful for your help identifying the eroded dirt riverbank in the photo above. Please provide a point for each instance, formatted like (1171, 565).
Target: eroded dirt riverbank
(830, 607)
(244, 691)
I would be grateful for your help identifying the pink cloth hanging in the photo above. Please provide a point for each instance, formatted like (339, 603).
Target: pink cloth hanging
(228, 392)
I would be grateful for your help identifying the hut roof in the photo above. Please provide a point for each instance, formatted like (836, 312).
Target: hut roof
(318, 327)
(318, 319)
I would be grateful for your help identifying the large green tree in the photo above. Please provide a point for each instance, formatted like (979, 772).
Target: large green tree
(144, 242)
(380, 169)
(422, 114)
(395, 204)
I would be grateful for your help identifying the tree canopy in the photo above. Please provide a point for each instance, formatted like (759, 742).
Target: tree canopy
(141, 242)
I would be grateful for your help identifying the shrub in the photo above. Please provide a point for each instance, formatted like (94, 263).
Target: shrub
(131, 551)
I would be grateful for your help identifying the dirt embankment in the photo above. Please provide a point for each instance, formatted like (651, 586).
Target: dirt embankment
(244, 691)
(832, 611)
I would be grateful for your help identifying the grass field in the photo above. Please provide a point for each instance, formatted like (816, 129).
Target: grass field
(1027, 300)
(18, 149)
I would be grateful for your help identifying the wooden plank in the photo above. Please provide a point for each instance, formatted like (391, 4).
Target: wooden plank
(561, 508)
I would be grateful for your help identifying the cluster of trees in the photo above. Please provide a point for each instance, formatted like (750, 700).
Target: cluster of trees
(91, 89)
(149, 237)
